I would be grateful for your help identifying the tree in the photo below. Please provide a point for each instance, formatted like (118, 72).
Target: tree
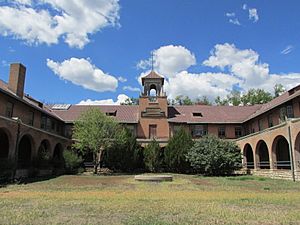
(278, 90)
(256, 96)
(125, 155)
(183, 100)
(95, 132)
(202, 101)
(234, 98)
(220, 101)
(178, 146)
(153, 156)
(213, 156)
(131, 101)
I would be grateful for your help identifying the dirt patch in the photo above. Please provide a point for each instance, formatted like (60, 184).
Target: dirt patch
(94, 180)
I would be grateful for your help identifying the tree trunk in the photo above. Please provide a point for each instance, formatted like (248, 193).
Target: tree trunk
(95, 163)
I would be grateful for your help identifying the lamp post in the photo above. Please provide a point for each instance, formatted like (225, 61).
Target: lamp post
(19, 122)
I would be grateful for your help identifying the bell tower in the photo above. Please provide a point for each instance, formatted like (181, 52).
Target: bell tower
(153, 108)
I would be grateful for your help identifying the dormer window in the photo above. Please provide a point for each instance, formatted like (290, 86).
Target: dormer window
(197, 114)
(111, 113)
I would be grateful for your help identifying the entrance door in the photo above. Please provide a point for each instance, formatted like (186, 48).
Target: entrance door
(152, 131)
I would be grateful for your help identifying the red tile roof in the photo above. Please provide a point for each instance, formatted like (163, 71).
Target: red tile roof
(210, 114)
(124, 113)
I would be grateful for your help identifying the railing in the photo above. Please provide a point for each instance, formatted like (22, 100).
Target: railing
(282, 164)
(264, 165)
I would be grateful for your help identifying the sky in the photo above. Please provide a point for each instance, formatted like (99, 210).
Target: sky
(95, 52)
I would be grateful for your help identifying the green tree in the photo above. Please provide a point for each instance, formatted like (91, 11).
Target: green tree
(256, 96)
(213, 156)
(278, 90)
(234, 98)
(178, 146)
(153, 156)
(202, 101)
(220, 101)
(131, 101)
(71, 160)
(183, 100)
(95, 132)
(125, 155)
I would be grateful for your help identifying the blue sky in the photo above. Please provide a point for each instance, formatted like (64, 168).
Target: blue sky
(78, 50)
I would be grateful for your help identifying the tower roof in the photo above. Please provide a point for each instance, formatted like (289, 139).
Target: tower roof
(152, 75)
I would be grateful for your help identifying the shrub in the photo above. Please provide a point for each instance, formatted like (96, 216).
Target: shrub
(72, 161)
(213, 156)
(125, 156)
(178, 146)
(153, 156)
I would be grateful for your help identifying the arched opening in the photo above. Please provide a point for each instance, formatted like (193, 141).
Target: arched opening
(58, 156)
(153, 90)
(263, 155)
(280, 148)
(248, 156)
(297, 151)
(4, 144)
(44, 154)
(24, 152)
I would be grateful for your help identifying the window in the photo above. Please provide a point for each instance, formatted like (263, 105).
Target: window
(197, 114)
(260, 124)
(270, 120)
(43, 121)
(221, 132)
(52, 125)
(238, 132)
(152, 131)
(48, 124)
(282, 114)
(31, 118)
(289, 111)
(199, 130)
(9, 109)
(176, 128)
(111, 113)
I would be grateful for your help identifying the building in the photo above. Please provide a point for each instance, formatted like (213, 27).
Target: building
(268, 134)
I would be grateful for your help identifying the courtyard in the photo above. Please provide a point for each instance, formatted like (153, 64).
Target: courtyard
(189, 199)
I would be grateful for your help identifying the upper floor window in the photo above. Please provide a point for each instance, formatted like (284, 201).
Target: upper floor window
(270, 120)
(238, 132)
(199, 130)
(152, 131)
(221, 132)
(43, 121)
(289, 111)
(282, 114)
(9, 109)
(30, 118)
(260, 124)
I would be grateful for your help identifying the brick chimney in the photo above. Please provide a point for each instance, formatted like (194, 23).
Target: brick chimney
(17, 78)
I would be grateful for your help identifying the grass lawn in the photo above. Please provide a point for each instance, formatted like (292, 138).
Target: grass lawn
(121, 200)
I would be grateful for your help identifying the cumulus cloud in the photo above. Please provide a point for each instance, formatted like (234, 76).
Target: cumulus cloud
(253, 15)
(169, 60)
(81, 72)
(235, 21)
(287, 50)
(230, 14)
(120, 99)
(48, 21)
(238, 68)
(122, 79)
(129, 88)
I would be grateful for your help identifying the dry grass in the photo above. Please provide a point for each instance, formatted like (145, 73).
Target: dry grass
(121, 200)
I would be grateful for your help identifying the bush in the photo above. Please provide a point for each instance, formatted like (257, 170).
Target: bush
(213, 156)
(153, 156)
(178, 146)
(72, 161)
(125, 156)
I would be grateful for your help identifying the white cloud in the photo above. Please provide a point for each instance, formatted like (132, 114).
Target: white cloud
(253, 15)
(244, 7)
(287, 50)
(81, 72)
(47, 21)
(129, 88)
(120, 99)
(122, 79)
(169, 60)
(235, 21)
(230, 14)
